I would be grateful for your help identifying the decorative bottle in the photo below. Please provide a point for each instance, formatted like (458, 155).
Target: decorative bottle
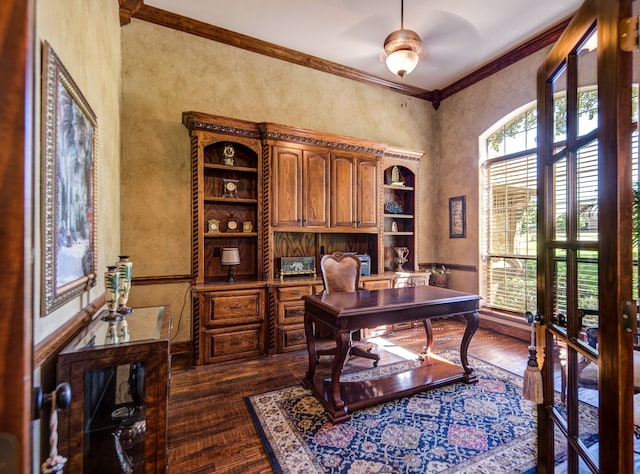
(125, 268)
(111, 289)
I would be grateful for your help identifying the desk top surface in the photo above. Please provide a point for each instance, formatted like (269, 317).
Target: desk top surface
(390, 299)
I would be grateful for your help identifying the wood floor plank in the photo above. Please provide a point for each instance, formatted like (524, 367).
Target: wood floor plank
(210, 428)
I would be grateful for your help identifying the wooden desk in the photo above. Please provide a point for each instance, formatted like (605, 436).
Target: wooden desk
(345, 312)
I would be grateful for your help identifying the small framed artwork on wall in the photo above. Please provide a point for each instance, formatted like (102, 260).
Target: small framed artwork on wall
(457, 217)
(69, 130)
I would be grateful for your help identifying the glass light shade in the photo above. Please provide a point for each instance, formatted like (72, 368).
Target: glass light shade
(230, 256)
(402, 61)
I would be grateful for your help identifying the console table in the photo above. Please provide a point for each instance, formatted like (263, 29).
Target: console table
(119, 375)
(345, 312)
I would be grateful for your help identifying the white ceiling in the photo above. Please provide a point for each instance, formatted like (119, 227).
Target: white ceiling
(458, 36)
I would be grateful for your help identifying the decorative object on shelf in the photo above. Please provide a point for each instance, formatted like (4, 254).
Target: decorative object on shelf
(111, 290)
(230, 258)
(401, 254)
(233, 224)
(439, 276)
(396, 177)
(457, 217)
(394, 226)
(69, 134)
(392, 207)
(247, 226)
(125, 269)
(402, 48)
(229, 154)
(230, 188)
(214, 225)
(297, 266)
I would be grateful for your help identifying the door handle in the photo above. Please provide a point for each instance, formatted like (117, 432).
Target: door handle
(63, 399)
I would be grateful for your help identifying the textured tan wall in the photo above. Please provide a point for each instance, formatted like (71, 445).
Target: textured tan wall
(462, 119)
(166, 72)
(86, 37)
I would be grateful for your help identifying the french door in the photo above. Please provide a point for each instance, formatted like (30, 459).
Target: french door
(16, 171)
(584, 246)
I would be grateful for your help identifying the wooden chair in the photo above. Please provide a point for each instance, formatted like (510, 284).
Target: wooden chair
(341, 273)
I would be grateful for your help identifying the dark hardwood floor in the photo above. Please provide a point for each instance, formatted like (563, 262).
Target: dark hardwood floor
(210, 429)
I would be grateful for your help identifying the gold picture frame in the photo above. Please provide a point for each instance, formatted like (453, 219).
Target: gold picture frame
(69, 139)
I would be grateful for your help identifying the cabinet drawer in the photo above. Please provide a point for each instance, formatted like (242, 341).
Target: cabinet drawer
(292, 339)
(237, 307)
(292, 292)
(291, 312)
(245, 341)
(376, 284)
(402, 326)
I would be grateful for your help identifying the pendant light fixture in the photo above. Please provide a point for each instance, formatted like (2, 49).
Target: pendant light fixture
(402, 48)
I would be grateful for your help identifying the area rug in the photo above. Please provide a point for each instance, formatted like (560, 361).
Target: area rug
(459, 428)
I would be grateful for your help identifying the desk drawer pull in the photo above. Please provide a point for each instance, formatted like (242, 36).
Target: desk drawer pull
(235, 306)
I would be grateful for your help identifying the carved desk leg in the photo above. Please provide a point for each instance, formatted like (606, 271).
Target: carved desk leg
(311, 349)
(429, 334)
(343, 343)
(473, 321)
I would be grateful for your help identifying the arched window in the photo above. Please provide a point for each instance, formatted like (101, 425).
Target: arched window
(508, 214)
(509, 205)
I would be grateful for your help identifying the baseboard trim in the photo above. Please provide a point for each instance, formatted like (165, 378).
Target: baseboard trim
(507, 324)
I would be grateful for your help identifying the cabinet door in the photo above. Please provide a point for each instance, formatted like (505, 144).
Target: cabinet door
(354, 192)
(315, 181)
(287, 187)
(343, 191)
(368, 196)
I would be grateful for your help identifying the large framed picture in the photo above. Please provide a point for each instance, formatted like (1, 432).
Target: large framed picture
(69, 138)
(457, 217)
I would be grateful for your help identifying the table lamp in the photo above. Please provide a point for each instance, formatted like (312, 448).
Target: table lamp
(230, 258)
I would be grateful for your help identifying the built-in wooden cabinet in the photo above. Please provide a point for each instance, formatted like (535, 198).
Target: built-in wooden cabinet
(289, 306)
(399, 214)
(226, 156)
(300, 196)
(274, 191)
(233, 324)
(354, 192)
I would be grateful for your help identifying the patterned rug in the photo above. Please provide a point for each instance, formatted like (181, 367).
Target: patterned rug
(459, 428)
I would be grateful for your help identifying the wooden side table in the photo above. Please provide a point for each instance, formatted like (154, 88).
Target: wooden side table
(119, 375)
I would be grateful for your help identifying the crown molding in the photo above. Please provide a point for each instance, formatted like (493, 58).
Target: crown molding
(136, 9)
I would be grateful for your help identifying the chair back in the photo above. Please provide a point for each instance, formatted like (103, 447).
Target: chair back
(340, 272)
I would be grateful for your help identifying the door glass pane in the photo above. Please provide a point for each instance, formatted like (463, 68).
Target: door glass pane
(587, 79)
(560, 288)
(588, 396)
(560, 107)
(561, 447)
(559, 366)
(588, 288)
(560, 200)
(587, 192)
(114, 419)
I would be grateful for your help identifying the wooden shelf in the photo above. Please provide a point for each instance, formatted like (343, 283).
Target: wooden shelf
(397, 187)
(242, 169)
(223, 235)
(399, 216)
(230, 200)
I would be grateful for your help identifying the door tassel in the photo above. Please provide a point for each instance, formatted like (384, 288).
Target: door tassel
(532, 384)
